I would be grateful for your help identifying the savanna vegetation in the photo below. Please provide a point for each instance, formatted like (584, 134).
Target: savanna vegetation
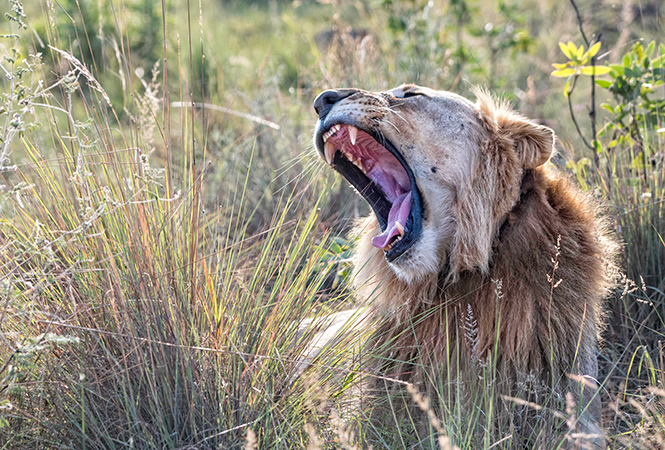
(165, 223)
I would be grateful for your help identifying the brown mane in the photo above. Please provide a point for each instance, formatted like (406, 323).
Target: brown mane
(538, 305)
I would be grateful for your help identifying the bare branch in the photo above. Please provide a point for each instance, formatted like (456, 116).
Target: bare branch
(228, 111)
(580, 22)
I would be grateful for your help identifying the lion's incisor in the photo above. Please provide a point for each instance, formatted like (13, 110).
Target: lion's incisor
(493, 232)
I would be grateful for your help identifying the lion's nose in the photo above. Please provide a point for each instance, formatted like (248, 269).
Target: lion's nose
(327, 99)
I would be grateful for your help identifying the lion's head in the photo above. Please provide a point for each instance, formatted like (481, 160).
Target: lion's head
(440, 172)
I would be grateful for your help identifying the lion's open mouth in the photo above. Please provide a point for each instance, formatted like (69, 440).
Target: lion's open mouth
(380, 174)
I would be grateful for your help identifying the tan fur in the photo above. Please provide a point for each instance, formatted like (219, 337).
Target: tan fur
(514, 244)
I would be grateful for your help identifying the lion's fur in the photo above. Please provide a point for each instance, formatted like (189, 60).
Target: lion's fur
(539, 308)
(526, 253)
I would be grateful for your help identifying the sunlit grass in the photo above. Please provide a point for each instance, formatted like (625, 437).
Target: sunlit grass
(157, 260)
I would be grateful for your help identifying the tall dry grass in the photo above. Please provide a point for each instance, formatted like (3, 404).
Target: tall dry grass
(157, 257)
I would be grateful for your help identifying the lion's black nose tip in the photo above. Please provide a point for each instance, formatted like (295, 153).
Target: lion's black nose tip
(327, 99)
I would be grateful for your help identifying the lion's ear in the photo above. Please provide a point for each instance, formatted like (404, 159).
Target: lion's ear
(533, 143)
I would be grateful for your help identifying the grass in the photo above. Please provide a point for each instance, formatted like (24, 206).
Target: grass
(179, 332)
(156, 259)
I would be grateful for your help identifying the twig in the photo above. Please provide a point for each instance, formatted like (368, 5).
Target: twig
(592, 110)
(228, 111)
(503, 439)
(222, 433)
(572, 115)
(579, 21)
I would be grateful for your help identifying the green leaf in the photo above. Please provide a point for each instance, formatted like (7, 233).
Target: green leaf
(604, 130)
(659, 72)
(617, 68)
(572, 48)
(597, 145)
(593, 50)
(607, 106)
(605, 84)
(639, 49)
(565, 50)
(626, 60)
(566, 87)
(631, 72)
(562, 73)
(580, 52)
(595, 70)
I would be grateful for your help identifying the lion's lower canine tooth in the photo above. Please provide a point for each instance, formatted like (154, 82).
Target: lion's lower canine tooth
(353, 134)
(400, 228)
(359, 164)
(329, 150)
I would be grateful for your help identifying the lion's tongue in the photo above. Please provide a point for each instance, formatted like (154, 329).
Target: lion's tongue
(399, 213)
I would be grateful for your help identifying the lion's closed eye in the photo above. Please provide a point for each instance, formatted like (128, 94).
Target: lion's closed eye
(407, 91)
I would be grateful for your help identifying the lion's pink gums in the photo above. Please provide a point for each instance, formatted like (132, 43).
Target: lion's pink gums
(386, 172)
(380, 165)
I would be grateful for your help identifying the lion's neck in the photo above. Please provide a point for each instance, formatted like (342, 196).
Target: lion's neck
(546, 278)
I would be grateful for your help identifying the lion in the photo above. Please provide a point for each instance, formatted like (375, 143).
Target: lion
(478, 252)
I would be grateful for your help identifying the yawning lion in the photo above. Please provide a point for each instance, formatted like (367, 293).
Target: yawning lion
(478, 252)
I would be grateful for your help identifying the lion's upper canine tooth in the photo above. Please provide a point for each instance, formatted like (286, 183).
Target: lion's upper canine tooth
(400, 228)
(353, 134)
(329, 151)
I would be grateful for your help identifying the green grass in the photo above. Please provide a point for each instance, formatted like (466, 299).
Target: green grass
(156, 259)
(184, 324)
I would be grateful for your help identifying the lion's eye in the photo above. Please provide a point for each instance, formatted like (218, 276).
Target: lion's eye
(410, 94)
